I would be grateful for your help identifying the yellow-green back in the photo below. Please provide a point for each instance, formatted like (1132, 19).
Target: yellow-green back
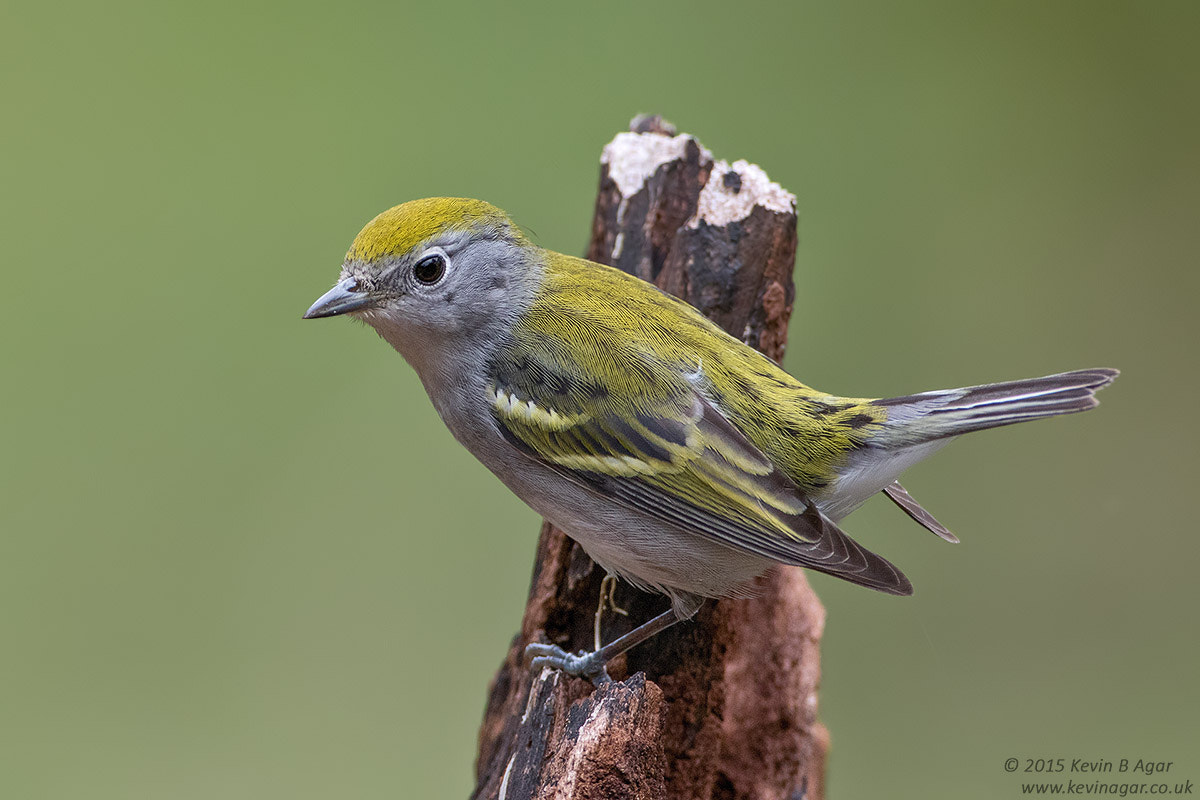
(595, 309)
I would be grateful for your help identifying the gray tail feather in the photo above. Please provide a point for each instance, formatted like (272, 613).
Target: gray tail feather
(909, 505)
(936, 415)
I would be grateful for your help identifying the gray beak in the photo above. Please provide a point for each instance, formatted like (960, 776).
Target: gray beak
(339, 300)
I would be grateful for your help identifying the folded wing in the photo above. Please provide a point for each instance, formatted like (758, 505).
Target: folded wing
(672, 455)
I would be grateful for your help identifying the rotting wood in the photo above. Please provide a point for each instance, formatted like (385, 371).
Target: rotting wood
(723, 706)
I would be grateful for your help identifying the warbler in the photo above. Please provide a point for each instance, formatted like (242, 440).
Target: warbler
(682, 460)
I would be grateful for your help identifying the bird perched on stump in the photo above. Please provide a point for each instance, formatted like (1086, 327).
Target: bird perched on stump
(682, 460)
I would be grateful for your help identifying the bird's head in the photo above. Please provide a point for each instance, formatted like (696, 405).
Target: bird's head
(431, 273)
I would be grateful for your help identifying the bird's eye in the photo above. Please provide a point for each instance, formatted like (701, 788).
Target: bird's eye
(430, 269)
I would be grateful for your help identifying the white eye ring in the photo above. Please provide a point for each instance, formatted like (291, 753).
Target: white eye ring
(431, 267)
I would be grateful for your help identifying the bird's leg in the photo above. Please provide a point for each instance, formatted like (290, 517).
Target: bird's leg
(608, 588)
(592, 665)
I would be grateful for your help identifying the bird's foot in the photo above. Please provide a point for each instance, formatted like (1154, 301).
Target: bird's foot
(579, 665)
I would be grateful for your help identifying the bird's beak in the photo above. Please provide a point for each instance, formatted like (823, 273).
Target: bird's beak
(341, 299)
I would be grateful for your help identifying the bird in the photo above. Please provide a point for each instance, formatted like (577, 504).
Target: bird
(682, 460)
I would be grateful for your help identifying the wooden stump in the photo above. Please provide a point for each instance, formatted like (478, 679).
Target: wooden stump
(723, 706)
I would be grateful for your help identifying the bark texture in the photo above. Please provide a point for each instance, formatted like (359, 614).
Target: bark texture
(723, 706)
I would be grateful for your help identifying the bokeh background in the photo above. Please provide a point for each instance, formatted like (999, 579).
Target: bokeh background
(239, 555)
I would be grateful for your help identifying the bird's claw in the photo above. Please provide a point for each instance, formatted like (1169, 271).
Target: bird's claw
(580, 665)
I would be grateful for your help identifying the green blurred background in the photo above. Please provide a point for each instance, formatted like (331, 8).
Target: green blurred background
(239, 555)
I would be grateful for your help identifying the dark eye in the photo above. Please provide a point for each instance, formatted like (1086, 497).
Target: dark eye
(430, 269)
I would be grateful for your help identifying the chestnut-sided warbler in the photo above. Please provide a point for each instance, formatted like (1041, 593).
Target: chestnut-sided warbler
(680, 459)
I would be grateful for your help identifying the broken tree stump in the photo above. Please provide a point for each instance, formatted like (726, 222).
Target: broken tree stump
(725, 705)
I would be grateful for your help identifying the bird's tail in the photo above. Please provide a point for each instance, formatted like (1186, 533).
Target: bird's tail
(930, 416)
